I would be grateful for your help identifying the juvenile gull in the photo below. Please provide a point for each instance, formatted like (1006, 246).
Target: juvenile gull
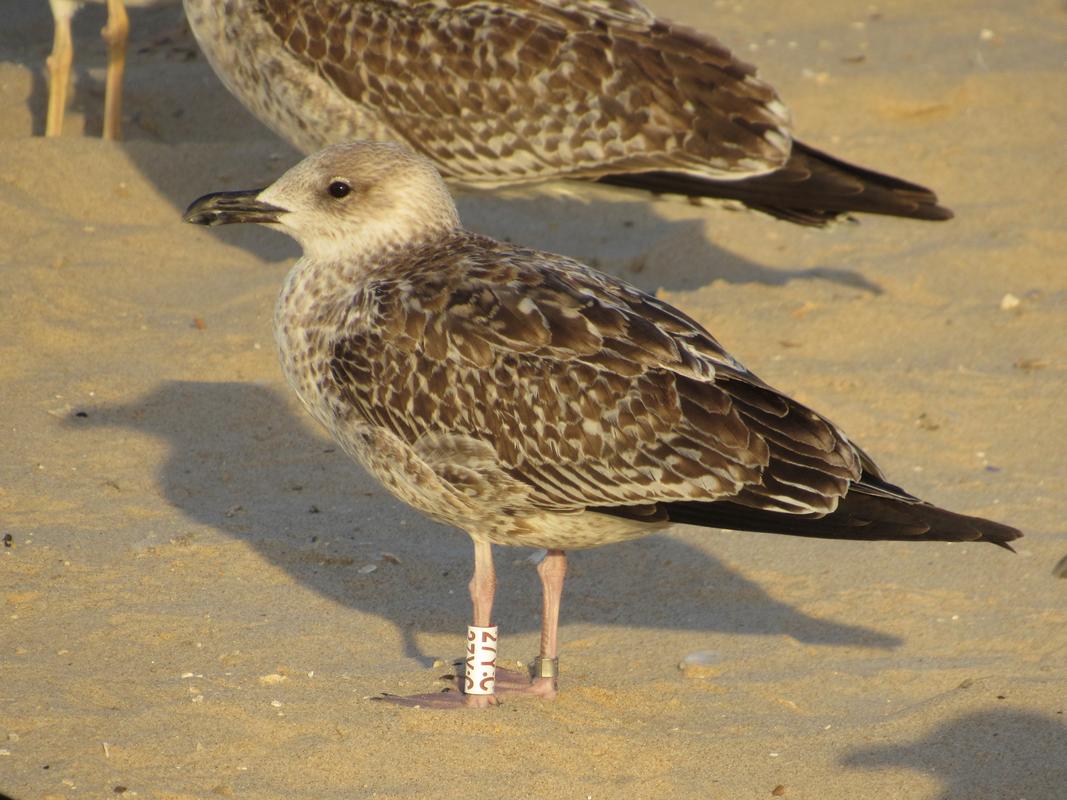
(519, 91)
(531, 400)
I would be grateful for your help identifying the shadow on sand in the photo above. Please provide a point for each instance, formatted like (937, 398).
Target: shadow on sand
(993, 755)
(241, 462)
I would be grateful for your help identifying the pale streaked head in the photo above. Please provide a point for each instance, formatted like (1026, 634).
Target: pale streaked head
(347, 199)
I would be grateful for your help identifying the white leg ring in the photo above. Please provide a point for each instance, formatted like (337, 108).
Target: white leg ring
(480, 675)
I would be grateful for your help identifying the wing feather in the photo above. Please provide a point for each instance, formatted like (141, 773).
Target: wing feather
(588, 392)
(537, 89)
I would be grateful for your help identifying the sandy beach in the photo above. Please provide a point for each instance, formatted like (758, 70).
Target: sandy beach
(200, 593)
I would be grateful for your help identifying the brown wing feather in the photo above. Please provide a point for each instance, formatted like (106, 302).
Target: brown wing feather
(541, 89)
(590, 392)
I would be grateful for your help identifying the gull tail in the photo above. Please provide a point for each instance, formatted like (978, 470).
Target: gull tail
(813, 188)
(859, 515)
(872, 510)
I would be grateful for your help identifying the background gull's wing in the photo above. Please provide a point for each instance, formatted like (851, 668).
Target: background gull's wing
(621, 10)
(529, 90)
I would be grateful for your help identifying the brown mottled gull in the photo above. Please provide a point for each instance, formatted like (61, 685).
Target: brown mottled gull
(518, 91)
(531, 400)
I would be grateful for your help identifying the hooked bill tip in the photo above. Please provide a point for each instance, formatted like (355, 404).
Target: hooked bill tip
(224, 208)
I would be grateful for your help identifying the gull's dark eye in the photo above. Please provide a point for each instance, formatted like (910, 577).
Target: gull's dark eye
(339, 189)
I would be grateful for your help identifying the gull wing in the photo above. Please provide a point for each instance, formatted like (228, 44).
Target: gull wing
(500, 93)
(588, 392)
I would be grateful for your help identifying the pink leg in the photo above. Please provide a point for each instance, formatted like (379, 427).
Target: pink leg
(483, 584)
(482, 588)
(552, 570)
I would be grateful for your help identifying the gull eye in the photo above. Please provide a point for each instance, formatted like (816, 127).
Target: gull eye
(339, 189)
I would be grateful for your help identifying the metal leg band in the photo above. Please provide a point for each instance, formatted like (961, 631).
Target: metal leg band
(546, 668)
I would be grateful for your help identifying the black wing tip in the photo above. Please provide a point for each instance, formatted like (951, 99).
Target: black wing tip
(994, 532)
(813, 189)
(859, 516)
(937, 213)
(986, 529)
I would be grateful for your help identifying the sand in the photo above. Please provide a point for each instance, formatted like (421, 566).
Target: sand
(188, 603)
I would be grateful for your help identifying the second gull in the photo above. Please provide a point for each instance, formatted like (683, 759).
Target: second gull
(514, 92)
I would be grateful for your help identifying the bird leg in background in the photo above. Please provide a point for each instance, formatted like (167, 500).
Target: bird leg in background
(59, 71)
(552, 570)
(115, 33)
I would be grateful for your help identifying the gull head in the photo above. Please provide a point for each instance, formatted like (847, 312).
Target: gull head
(349, 199)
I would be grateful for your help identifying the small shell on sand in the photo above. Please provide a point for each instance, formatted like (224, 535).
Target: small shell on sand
(701, 664)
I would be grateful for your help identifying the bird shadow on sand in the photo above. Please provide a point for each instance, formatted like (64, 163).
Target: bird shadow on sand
(240, 462)
(26, 37)
(1005, 754)
(622, 233)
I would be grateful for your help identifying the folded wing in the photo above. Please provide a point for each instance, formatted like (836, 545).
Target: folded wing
(589, 392)
(499, 93)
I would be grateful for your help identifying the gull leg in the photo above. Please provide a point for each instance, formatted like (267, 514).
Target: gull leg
(483, 589)
(59, 68)
(115, 33)
(552, 570)
(483, 584)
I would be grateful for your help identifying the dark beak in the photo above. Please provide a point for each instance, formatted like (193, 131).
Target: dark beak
(222, 208)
